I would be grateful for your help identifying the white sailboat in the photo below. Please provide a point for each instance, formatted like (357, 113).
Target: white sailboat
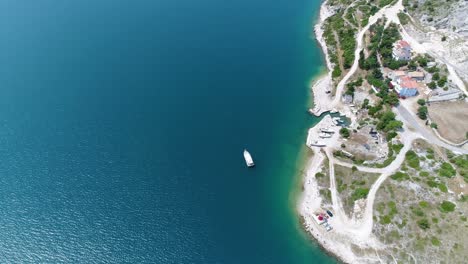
(248, 159)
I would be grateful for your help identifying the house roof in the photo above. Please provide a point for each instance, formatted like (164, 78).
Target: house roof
(402, 48)
(405, 78)
(404, 44)
(409, 84)
(399, 73)
(416, 74)
(402, 53)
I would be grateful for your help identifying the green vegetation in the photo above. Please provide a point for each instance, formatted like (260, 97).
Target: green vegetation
(397, 147)
(385, 220)
(446, 170)
(421, 102)
(319, 175)
(325, 193)
(360, 193)
(404, 18)
(340, 36)
(432, 183)
(348, 45)
(388, 122)
(433, 69)
(381, 43)
(393, 209)
(386, 162)
(422, 112)
(442, 81)
(344, 132)
(418, 212)
(423, 224)
(340, 185)
(447, 207)
(423, 204)
(435, 241)
(336, 72)
(461, 163)
(424, 174)
(351, 87)
(442, 187)
(412, 159)
(383, 3)
(400, 176)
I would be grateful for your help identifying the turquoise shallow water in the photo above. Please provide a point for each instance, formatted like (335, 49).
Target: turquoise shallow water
(122, 125)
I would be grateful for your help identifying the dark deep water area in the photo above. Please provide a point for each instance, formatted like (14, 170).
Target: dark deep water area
(122, 126)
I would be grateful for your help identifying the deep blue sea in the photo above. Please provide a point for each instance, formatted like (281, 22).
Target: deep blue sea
(122, 126)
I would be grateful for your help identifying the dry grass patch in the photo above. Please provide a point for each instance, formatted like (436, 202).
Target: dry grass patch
(451, 119)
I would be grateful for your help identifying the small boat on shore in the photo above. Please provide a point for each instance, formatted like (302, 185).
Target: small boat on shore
(317, 143)
(248, 159)
(337, 120)
(327, 130)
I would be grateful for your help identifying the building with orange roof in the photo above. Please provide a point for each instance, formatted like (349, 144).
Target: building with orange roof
(406, 86)
(401, 51)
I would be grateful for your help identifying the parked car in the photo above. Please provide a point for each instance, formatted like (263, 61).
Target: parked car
(329, 213)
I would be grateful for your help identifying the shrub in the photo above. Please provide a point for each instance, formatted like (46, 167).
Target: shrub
(424, 224)
(424, 174)
(412, 159)
(423, 204)
(446, 170)
(442, 81)
(385, 220)
(418, 212)
(344, 132)
(404, 18)
(399, 176)
(422, 112)
(447, 206)
(393, 209)
(443, 187)
(360, 193)
(461, 163)
(421, 102)
(397, 147)
(336, 72)
(391, 135)
(319, 175)
(435, 241)
(432, 183)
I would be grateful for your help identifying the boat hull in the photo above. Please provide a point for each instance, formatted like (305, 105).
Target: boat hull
(248, 159)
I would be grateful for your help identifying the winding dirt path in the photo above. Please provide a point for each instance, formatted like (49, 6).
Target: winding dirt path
(388, 11)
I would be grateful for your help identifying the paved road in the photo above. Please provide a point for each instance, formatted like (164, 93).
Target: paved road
(410, 120)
